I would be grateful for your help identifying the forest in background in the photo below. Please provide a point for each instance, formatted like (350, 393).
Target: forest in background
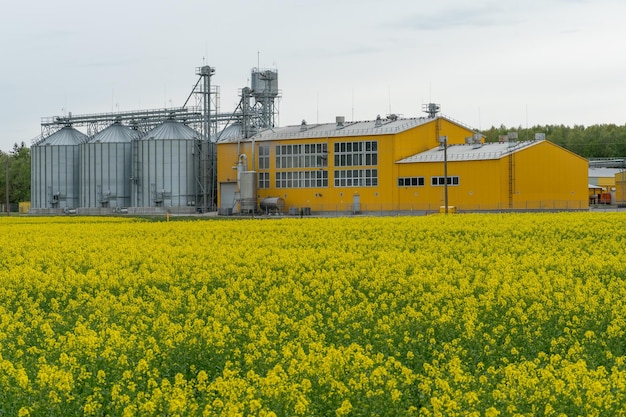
(596, 141)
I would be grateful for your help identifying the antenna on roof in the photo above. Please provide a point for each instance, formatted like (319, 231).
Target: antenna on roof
(317, 120)
(352, 105)
(432, 109)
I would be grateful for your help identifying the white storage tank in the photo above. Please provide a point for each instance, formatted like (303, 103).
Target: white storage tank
(166, 166)
(105, 168)
(272, 204)
(247, 191)
(54, 170)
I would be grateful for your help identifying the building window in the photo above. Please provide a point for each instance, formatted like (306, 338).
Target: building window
(356, 178)
(264, 179)
(264, 158)
(411, 182)
(302, 179)
(308, 155)
(438, 181)
(363, 153)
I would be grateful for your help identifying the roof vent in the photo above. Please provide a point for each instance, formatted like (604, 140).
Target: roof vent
(512, 139)
(340, 121)
(379, 121)
(476, 141)
(303, 126)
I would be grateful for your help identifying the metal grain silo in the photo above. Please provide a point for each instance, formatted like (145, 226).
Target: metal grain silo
(54, 170)
(105, 168)
(167, 167)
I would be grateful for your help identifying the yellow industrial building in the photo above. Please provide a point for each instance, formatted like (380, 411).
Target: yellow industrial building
(620, 187)
(394, 164)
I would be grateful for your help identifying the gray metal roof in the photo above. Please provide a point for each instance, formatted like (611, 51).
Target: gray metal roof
(66, 136)
(604, 172)
(469, 152)
(115, 133)
(328, 130)
(230, 133)
(171, 129)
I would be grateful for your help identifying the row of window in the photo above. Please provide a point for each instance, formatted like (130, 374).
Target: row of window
(420, 181)
(363, 153)
(442, 180)
(410, 181)
(343, 178)
(346, 154)
(315, 155)
(301, 179)
(356, 178)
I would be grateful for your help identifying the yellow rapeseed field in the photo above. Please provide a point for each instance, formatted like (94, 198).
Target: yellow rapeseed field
(461, 315)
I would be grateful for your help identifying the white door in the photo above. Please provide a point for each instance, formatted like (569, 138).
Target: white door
(356, 203)
(227, 195)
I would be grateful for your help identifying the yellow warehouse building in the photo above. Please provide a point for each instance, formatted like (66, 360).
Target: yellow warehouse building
(620, 188)
(397, 165)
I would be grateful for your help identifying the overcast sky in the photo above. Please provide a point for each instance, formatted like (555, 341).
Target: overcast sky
(487, 63)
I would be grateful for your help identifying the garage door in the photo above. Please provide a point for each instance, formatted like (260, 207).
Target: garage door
(227, 195)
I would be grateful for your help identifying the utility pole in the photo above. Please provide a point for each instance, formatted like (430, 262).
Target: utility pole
(444, 141)
(7, 186)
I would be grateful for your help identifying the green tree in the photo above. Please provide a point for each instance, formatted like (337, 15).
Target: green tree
(19, 174)
(596, 141)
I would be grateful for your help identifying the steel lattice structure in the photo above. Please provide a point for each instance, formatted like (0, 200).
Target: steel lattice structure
(204, 116)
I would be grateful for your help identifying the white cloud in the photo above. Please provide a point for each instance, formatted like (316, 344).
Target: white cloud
(487, 62)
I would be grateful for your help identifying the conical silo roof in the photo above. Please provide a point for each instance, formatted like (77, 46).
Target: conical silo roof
(115, 133)
(172, 130)
(229, 134)
(67, 136)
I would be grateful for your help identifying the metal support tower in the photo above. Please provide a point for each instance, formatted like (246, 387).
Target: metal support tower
(207, 99)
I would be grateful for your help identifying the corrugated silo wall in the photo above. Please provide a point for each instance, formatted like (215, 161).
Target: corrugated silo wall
(54, 176)
(168, 173)
(105, 174)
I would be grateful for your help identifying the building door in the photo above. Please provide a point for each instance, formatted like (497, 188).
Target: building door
(227, 196)
(356, 203)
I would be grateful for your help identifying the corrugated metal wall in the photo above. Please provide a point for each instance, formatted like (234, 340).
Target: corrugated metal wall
(168, 172)
(54, 176)
(105, 174)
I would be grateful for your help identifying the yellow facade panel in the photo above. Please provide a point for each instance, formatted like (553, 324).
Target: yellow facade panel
(620, 187)
(550, 174)
(477, 186)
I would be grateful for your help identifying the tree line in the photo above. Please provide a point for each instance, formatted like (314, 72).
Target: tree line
(596, 141)
(16, 166)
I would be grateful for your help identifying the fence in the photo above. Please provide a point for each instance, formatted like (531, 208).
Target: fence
(13, 208)
(423, 209)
